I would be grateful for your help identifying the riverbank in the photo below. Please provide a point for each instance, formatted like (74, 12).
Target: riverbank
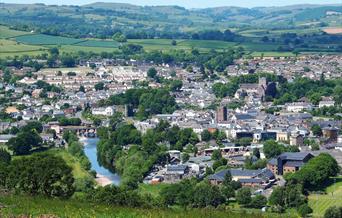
(102, 180)
(103, 176)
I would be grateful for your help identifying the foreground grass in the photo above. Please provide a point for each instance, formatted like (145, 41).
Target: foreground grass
(77, 170)
(320, 203)
(36, 206)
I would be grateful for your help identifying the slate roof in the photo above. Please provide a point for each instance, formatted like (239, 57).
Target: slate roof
(299, 156)
(294, 164)
(263, 174)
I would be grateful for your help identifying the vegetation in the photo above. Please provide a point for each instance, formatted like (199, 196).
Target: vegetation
(38, 175)
(37, 206)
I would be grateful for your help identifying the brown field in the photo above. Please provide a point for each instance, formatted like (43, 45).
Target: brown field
(333, 30)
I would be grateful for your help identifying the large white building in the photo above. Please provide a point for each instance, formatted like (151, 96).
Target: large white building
(104, 111)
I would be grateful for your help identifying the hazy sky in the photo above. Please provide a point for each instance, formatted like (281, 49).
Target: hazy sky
(187, 3)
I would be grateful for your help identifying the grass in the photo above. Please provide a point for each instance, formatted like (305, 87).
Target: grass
(13, 48)
(320, 203)
(76, 48)
(6, 32)
(99, 43)
(153, 190)
(77, 170)
(37, 206)
(165, 44)
(41, 39)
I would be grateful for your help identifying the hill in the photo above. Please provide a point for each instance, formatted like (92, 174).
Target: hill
(101, 20)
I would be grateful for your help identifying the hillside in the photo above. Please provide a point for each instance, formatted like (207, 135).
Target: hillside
(102, 19)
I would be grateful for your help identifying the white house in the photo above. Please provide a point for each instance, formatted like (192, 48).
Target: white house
(298, 106)
(104, 111)
(326, 102)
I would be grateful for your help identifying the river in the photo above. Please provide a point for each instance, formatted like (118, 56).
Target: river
(104, 176)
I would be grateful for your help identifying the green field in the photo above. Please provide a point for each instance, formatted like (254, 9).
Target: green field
(12, 48)
(165, 44)
(319, 203)
(36, 206)
(99, 43)
(25, 43)
(41, 39)
(6, 32)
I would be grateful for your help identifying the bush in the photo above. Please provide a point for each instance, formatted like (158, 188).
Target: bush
(333, 212)
(304, 210)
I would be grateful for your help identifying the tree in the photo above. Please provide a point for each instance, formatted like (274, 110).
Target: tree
(333, 212)
(68, 61)
(207, 195)
(256, 152)
(272, 149)
(316, 130)
(40, 174)
(173, 42)
(82, 89)
(176, 85)
(152, 73)
(277, 197)
(24, 142)
(99, 86)
(243, 196)
(216, 155)
(119, 37)
(206, 135)
(304, 210)
(185, 157)
(5, 157)
(258, 202)
(227, 178)
(316, 172)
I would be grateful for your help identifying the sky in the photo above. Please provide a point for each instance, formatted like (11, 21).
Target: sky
(186, 3)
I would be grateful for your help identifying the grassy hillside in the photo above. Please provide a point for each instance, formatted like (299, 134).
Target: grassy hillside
(37, 206)
(319, 203)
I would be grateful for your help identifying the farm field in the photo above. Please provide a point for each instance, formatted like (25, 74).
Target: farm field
(319, 203)
(99, 43)
(165, 44)
(41, 39)
(76, 48)
(12, 48)
(6, 32)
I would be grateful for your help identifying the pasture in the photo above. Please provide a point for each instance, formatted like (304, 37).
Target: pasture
(6, 32)
(320, 203)
(13, 48)
(41, 39)
(99, 43)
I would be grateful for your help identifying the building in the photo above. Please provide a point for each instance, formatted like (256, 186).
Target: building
(288, 162)
(104, 111)
(261, 178)
(326, 102)
(221, 115)
(297, 140)
(298, 106)
(175, 173)
(330, 133)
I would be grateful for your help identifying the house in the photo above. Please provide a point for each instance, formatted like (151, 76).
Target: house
(298, 106)
(330, 133)
(326, 102)
(288, 162)
(175, 173)
(104, 111)
(261, 178)
(297, 140)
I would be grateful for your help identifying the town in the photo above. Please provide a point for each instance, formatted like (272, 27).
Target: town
(193, 109)
(238, 123)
